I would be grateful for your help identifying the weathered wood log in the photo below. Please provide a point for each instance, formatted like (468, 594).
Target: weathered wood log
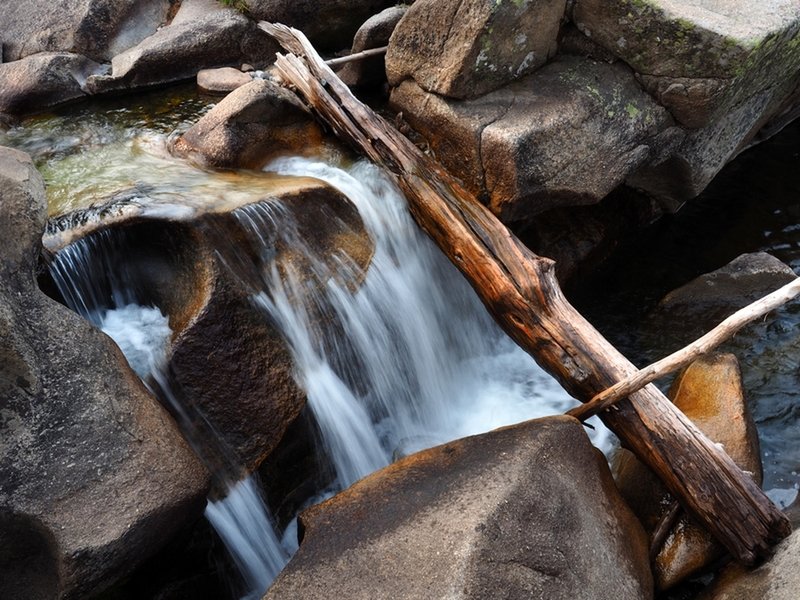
(702, 345)
(520, 290)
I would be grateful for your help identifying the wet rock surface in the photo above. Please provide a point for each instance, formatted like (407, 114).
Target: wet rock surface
(504, 514)
(254, 123)
(227, 362)
(96, 478)
(710, 393)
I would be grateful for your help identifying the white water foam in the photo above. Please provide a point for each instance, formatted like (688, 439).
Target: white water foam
(417, 360)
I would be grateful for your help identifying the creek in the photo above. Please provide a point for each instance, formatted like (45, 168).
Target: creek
(408, 358)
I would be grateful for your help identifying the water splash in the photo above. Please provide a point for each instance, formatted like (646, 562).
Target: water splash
(411, 358)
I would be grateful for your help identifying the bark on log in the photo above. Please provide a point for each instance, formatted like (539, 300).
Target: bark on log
(520, 290)
(684, 356)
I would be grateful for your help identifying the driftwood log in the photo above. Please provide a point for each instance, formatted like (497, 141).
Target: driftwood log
(520, 290)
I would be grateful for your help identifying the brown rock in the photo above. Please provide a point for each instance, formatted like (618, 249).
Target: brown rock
(568, 134)
(710, 393)
(222, 80)
(465, 49)
(43, 80)
(374, 33)
(95, 476)
(507, 514)
(249, 127)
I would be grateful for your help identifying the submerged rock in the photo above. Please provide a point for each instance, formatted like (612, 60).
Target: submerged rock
(568, 134)
(506, 514)
(43, 80)
(464, 49)
(249, 127)
(98, 29)
(710, 394)
(96, 478)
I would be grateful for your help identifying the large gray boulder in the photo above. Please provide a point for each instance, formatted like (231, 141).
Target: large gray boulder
(507, 514)
(722, 68)
(95, 476)
(179, 51)
(249, 126)
(43, 80)
(330, 25)
(777, 579)
(464, 49)
(568, 134)
(98, 29)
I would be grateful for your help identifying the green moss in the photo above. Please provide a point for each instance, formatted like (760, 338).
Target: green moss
(240, 5)
(632, 111)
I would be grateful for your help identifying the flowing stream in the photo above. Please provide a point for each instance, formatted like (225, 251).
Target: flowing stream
(404, 358)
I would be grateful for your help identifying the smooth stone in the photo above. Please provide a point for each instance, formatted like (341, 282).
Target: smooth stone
(222, 80)
(506, 514)
(374, 33)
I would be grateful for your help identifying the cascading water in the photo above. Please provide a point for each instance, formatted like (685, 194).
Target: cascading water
(396, 359)
(105, 294)
(411, 358)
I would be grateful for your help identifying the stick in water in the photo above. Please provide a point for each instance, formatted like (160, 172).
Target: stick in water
(686, 355)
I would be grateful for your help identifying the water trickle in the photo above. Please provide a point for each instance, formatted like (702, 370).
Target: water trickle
(91, 283)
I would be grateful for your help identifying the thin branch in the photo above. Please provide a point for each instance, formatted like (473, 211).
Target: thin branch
(684, 356)
(335, 62)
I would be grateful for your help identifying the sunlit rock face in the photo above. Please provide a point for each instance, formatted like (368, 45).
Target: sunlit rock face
(503, 514)
(465, 49)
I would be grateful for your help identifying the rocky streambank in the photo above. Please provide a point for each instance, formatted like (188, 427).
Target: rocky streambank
(552, 112)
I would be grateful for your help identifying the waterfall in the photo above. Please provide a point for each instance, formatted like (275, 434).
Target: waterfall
(411, 358)
(399, 358)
